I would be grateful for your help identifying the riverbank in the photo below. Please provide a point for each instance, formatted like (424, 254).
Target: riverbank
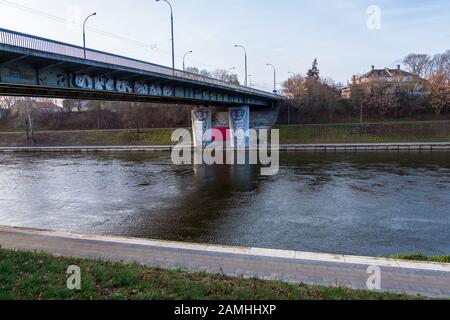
(150, 137)
(400, 132)
(311, 275)
(39, 276)
(438, 131)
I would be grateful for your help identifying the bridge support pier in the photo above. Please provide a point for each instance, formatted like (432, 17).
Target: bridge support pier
(230, 125)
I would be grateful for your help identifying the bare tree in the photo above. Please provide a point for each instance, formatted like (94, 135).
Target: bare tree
(29, 120)
(8, 102)
(202, 72)
(440, 93)
(192, 70)
(220, 74)
(223, 75)
(294, 87)
(360, 98)
(233, 78)
(441, 64)
(205, 73)
(69, 105)
(311, 96)
(419, 64)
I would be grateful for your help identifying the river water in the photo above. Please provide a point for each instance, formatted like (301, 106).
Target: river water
(347, 203)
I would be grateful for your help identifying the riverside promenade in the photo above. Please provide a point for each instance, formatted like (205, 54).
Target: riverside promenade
(415, 278)
(348, 147)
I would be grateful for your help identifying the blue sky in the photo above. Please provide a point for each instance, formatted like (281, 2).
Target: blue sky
(286, 33)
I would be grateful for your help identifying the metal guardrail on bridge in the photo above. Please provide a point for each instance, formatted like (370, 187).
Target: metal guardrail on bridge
(22, 40)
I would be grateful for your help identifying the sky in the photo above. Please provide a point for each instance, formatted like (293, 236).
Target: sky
(346, 36)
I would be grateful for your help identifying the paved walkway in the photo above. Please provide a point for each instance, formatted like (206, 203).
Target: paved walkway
(428, 279)
(324, 147)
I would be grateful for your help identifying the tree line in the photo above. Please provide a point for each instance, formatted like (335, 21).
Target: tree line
(312, 98)
(49, 114)
(220, 74)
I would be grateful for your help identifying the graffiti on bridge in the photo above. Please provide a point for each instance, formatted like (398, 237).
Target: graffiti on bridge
(86, 81)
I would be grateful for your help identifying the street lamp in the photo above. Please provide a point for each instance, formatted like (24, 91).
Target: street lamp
(173, 39)
(184, 59)
(246, 66)
(84, 32)
(274, 77)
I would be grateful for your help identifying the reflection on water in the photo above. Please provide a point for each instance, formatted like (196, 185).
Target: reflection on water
(359, 203)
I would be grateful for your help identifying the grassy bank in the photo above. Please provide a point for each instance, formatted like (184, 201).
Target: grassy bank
(41, 276)
(309, 134)
(90, 138)
(422, 257)
(368, 133)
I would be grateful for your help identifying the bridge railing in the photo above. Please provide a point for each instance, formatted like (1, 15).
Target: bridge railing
(26, 41)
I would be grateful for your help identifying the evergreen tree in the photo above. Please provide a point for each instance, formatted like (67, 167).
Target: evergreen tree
(314, 71)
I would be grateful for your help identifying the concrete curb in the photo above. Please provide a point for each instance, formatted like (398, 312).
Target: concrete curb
(380, 147)
(249, 251)
(354, 147)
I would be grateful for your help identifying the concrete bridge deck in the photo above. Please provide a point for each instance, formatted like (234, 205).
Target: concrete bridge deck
(426, 279)
(39, 67)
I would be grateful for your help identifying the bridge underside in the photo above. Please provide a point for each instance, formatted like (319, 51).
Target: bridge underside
(25, 72)
(83, 94)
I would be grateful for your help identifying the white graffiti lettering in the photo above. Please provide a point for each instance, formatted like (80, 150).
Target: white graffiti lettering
(140, 87)
(124, 86)
(104, 83)
(82, 80)
(155, 90)
(168, 91)
(85, 81)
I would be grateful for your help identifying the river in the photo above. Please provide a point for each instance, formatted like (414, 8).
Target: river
(348, 203)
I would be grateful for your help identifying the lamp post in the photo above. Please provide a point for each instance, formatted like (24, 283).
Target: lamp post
(274, 77)
(184, 59)
(246, 66)
(173, 39)
(84, 32)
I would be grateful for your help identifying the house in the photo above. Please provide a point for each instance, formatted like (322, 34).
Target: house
(346, 92)
(389, 81)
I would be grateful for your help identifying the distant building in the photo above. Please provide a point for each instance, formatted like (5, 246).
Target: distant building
(346, 92)
(389, 81)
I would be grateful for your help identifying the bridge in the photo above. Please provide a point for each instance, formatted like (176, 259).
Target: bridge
(39, 67)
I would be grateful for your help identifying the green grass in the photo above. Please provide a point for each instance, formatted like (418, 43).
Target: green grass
(25, 275)
(422, 257)
(132, 137)
(309, 134)
(91, 138)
